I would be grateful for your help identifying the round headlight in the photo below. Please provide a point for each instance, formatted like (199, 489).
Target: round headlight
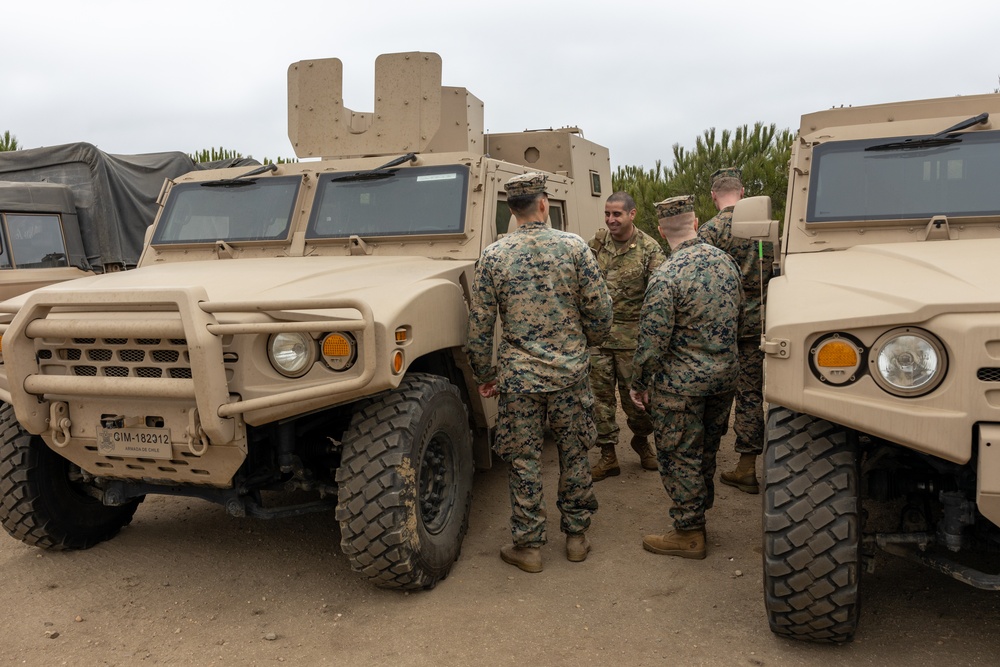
(908, 362)
(291, 353)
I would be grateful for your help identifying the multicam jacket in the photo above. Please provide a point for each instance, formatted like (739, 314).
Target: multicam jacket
(627, 271)
(689, 323)
(552, 303)
(754, 273)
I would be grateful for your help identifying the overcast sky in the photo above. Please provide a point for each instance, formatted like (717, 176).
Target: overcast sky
(637, 77)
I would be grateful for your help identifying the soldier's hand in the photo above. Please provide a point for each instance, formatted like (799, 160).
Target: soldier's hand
(488, 389)
(640, 398)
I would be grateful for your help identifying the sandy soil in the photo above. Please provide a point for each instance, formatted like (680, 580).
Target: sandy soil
(187, 585)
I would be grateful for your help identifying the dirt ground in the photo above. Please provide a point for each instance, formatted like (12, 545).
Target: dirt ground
(187, 585)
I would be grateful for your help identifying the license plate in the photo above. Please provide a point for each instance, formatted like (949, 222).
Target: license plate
(140, 443)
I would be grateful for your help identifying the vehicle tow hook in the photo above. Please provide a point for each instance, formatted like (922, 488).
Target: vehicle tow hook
(60, 422)
(197, 441)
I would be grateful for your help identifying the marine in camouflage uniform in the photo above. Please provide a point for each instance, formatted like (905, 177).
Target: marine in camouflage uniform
(685, 371)
(627, 258)
(755, 262)
(553, 304)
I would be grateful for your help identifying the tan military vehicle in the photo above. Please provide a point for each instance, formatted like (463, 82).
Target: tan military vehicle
(289, 328)
(882, 349)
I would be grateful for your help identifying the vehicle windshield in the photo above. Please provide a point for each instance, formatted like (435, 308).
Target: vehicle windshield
(847, 183)
(397, 202)
(34, 241)
(247, 210)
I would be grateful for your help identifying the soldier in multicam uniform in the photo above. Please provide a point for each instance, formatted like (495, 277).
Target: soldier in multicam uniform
(627, 257)
(685, 370)
(754, 260)
(553, 304)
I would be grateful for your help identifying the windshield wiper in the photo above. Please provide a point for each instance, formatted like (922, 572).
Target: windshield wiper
(242, 179)
(939, 139)
(378, 172)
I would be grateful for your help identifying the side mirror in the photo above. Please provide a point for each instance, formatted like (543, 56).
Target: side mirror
(752, 220)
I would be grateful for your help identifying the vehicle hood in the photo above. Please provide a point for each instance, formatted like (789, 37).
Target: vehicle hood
(385, 280)
(890, 283)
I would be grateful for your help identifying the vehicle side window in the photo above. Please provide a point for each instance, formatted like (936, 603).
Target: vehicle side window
(504, 219)
(556, 218)
(35, 241)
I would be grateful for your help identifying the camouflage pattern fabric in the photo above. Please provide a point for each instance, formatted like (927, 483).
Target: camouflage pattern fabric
(689, 324)
(532, 183)
(688, 430)
(626, 271)
(672, 206)
(552, 302)
(545, 286)
(719, 232)
(749, 420)
(519, 443)
(687, 360)
(608, 368)
(726, 172)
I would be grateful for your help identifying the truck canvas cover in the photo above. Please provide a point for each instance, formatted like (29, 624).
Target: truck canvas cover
(115, 195)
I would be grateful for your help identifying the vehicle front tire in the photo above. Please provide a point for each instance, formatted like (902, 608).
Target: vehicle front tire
(41, 503)
(405, 483)
(812, 531)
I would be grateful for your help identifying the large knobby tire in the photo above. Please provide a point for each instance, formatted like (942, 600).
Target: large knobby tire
(812, 533)
(405, 483)
(41, 503)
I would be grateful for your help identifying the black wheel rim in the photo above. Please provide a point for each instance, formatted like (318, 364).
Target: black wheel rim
(437, 474)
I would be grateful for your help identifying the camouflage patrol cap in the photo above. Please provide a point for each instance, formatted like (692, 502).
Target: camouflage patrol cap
(668, 208)
(532, 183)
(727, 172)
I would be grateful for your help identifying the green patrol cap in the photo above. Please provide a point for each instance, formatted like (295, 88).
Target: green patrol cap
(727, 172)
(668, 208)
(532, 183)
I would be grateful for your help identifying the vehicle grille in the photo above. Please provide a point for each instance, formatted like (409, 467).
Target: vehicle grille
(115, 357)
(988, 374)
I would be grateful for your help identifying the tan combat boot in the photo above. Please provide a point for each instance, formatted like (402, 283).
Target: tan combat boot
(577, 548)
(528, 559)
(683, 543)
(647, 458)
(744, 477)
(607, 466)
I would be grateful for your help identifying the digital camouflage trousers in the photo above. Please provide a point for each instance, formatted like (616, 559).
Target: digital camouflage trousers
(748, 422)
(687, 432)
(519, 435)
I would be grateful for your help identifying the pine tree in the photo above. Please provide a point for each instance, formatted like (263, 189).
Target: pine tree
(762, 152)
(220, 153)
(8, 142)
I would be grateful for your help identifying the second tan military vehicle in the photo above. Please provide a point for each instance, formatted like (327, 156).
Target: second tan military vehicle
(294, 327)
(882, 344)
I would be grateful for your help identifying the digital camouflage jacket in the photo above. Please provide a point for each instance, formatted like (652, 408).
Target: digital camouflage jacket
(754, 272)
(552, 302)
(689, 324)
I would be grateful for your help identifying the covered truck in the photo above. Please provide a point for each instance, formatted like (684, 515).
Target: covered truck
(70, 210)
